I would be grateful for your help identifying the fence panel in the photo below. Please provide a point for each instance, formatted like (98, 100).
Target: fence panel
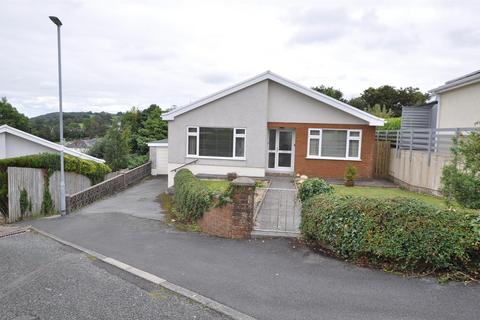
(382, 159)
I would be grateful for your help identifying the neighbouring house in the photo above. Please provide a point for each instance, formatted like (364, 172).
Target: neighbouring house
(81, 145)
(269, 125)
(17, 143)
(458, 102)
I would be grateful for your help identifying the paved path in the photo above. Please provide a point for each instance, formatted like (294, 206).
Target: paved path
(280, 210)
(268, 279)
(42, 279)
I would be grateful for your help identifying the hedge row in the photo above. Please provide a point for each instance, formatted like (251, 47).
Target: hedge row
(51, 161)
(191, 198)
(406, 234)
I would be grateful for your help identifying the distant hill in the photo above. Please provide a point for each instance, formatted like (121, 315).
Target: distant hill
(77, 125)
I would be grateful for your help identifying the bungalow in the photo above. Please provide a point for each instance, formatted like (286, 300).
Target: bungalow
(17, 143)
(268, 125)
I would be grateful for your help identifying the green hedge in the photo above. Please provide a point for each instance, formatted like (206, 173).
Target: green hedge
(313, 187)
(192, 198)
(406, 234)
(51, 161)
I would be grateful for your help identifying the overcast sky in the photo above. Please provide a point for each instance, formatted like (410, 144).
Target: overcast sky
(118, 54)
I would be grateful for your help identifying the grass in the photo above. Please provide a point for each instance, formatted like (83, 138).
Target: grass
(378, 192)
(217, 186)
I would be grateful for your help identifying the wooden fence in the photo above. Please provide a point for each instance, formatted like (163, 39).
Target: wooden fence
(107, 187)
(33, 182)
(382, 159)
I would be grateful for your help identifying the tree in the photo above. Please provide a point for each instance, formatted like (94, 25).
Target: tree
(153, 128)
(116, 147)
(331, 92)
(390, 98)
(9, 115)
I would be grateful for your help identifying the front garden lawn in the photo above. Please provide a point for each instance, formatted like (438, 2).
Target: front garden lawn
(217, 186)
(379, 192)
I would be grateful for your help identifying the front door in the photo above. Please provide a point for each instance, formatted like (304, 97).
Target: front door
(281, 148)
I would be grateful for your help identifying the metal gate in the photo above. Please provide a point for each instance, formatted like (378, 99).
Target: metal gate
(278, 212)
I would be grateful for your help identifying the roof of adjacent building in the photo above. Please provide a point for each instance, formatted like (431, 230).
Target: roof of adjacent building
(268, 75)
(49, 144)
(158, 143)
(465, 80)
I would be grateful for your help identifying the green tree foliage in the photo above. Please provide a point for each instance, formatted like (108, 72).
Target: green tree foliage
(461, 177)
(313, 187)
(77, 125)
(380, 111)
(116, 148)
(9, 115)
(153, 128)
(331, 92)
(390, 98)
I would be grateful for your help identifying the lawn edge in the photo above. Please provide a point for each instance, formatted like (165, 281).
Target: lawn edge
(210, 303)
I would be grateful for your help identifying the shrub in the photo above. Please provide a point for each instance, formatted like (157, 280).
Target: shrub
(51, 161)
(461, 177)
(406, 234)
(391, 124)
(25, 204)
(136, 160)
(47, 203)
(313, 187)
(350, 173)
(191, 198)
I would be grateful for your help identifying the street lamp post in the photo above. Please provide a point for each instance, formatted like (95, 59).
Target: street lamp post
(58, 23)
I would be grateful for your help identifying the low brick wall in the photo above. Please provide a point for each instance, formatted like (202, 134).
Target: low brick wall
(233, 220)
(107, 187)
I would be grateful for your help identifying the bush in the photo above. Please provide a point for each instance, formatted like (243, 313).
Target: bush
(135, 160)
(350, 173)
(313, 187)
(461, 177)
(191, 198)
(406, 234)
(51, 161)
(391, 124)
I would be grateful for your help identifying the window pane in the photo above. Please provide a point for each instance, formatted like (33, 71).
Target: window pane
(192, 145)
(239, 147)
(334, 143)
(285, 140)
(271, 139)
(284, 160)
(240, 131)
(314, 132)
(354, 134)
(216, 142)
(192, 129)
(314, 144)
(353, 148)
(271, 160)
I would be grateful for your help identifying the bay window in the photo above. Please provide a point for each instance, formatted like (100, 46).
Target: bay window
(335, 144)
(212, 142)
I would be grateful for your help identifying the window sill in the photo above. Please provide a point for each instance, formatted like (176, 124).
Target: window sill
(332, 158)
(216, 158)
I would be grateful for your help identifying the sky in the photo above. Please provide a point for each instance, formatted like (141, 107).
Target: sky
(119, 54)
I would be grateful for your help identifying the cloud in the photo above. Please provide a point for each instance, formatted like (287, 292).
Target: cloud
(216, 77)
(119, 54)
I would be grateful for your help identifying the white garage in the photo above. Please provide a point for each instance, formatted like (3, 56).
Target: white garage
(159, 156)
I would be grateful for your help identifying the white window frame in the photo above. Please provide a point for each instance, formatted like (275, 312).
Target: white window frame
(235, 136)
(349, 138)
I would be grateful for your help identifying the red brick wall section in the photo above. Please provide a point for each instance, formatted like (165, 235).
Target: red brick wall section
(330, 168)
(233, 220)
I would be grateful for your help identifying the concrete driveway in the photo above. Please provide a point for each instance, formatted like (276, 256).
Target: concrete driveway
(267, 279)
